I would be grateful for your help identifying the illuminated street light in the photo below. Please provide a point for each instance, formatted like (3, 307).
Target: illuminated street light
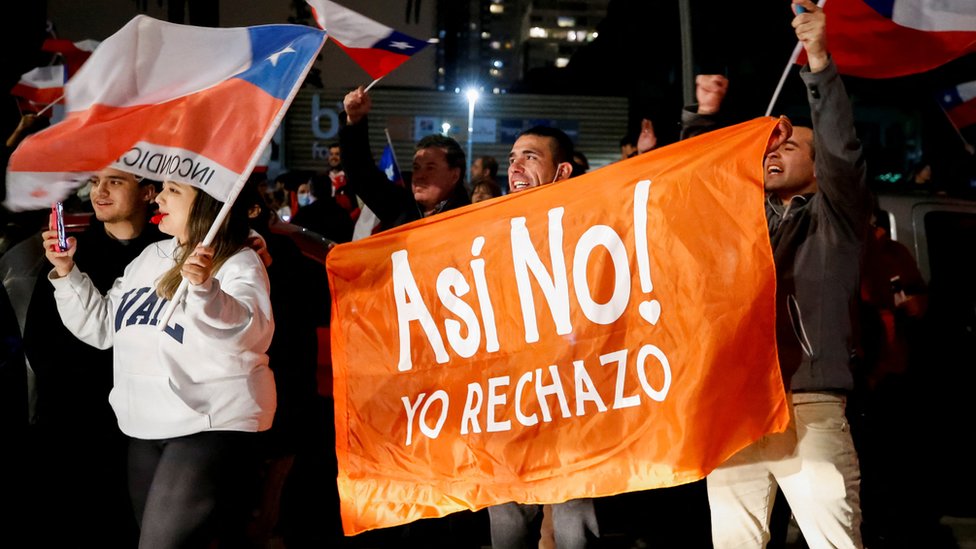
(472, 95)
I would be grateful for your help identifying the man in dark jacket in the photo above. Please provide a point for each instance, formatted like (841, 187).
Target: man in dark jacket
(817, 207)
(437, 186)
(81, 479)
(437, 182)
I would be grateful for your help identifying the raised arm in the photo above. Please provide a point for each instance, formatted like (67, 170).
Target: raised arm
(702, 117)
(233, 312)
(85, 312)
(389, 202)
(839, 162)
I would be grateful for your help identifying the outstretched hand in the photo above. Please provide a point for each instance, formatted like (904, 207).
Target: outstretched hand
(811, 31)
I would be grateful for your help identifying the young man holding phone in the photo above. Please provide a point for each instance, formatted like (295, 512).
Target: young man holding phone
(81, 452)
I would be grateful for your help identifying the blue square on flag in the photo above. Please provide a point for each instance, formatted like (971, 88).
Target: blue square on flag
(278, 50)
(397, 42)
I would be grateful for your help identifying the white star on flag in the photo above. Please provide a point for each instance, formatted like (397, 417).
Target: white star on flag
(389, 172)
(274, 56)
(400, 45)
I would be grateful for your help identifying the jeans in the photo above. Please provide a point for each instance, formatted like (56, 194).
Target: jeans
(516, 525)
(815, 464)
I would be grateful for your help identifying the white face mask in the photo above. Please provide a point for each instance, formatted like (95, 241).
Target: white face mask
(556, 176)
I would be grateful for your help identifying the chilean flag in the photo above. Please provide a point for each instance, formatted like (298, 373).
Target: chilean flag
(166, 101)
(891, 38)
(73, 53)
(41, 86)
(378, 49)
(388, 165)
(959, 103)
(45, 85)
(368, 224)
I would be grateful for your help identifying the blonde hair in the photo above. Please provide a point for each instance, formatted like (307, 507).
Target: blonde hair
(230, 238)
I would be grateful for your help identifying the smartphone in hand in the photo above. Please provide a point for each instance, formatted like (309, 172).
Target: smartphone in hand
(57, 213)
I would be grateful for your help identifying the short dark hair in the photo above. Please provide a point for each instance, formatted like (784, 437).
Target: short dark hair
(561, 145)
(453, 151)
(489, 163)
(493, 188)
(334, 145)
(145, 181)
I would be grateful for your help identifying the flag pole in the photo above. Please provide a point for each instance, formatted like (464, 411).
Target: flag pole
(236, 189)
(782, 79)
(49, 105)
(786, 71)
(392, 150)
(371, 84)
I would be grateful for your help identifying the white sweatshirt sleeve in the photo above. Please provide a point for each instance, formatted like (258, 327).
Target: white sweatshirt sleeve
(84, 311)
(233, 309)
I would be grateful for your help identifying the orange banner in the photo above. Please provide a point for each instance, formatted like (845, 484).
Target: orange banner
(610, 333)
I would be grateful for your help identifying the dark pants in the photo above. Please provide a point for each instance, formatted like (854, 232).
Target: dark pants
(516, 525)
(190, 491)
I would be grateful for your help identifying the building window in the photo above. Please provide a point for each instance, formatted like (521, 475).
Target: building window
(565, 22)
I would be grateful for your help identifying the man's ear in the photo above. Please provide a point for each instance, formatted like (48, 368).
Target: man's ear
(564, 170)
(148, 192)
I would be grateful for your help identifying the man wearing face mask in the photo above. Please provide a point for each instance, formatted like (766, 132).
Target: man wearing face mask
(542, 155)
(320, 213)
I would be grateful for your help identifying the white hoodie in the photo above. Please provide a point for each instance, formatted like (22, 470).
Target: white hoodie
(206, 371)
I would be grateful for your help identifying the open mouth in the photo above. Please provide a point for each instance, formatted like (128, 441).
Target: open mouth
(773, 170)
(156, 219)
(519, 185)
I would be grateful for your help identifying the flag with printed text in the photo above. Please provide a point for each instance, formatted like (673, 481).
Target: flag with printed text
(610, 333)
(167, 101)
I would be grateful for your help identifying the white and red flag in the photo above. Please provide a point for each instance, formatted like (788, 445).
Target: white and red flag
(378, 49)
(74, 54)
(959, 103)
(40, 87)
(892, 38)
(168, 101)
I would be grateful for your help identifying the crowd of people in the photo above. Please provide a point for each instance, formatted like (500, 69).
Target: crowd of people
(213, 427)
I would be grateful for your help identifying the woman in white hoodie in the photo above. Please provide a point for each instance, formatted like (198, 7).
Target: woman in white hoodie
(193, 395)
